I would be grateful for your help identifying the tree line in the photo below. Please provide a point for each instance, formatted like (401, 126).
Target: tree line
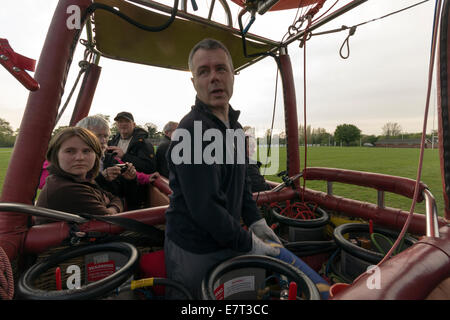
(348, 135)
(344, 134)
(8, 135)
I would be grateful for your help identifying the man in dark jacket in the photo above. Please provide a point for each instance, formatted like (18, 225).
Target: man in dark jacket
(257, 181)
(208, 179)
(161, 151)
(131, 144)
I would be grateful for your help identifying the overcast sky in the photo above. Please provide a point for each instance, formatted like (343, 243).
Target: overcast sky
(383, 80)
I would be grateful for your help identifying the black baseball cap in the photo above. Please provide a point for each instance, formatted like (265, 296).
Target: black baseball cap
(125, 115)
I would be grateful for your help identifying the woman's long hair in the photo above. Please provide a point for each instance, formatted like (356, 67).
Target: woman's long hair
(55, 144)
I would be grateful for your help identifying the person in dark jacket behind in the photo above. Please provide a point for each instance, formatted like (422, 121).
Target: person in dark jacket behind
(161, 151)
(131, 144)
(208, 179)
(257, 181)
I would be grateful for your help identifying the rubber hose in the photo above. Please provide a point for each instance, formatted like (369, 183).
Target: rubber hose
(362, 253)
(93, 290)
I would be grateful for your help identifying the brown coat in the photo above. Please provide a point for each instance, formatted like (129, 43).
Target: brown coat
(65, 193)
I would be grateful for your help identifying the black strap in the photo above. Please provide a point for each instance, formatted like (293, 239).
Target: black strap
(151, 232)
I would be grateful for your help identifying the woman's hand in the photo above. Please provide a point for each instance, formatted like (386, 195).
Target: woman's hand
(111, 173)
(130, 173)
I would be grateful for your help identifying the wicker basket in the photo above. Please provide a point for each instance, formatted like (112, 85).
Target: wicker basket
(47, 280)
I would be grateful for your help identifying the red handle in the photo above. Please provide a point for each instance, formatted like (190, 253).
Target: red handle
(292, 291)
(58, 278)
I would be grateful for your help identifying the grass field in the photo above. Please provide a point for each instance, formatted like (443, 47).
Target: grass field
(397, 162)
(5, 155)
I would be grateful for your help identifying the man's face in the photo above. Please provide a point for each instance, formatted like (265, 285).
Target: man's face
(213, 77)
(125, 127)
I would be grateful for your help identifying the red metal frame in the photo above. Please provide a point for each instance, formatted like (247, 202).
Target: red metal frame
(290, 116)
(86, 95)
(443, 87)
(41, 237)
(409, 275)
(399, 185)
(37, 125)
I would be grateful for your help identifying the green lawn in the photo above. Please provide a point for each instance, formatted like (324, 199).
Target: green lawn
(5, 155)
(397, 162)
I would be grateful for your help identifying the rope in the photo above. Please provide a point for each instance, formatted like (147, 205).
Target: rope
(308, 15)
(6, 277)
(422, 145)
(353, 28)
(271, 127)
(273, 117)
(303, 42)
(83, 67)
(346, 41)
(297, 210)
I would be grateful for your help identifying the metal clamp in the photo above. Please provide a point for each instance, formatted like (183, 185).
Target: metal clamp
(287, 181)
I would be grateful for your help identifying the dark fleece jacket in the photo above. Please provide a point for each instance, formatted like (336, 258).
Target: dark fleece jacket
(140, 153)
(208, 200)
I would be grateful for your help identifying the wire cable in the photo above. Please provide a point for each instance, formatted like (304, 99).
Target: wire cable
(137, 24)
(368, 21)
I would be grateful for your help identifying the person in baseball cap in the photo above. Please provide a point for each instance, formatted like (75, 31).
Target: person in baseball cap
(131, 144)
(125, 115)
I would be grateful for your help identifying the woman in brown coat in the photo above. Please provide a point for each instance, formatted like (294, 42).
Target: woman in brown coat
(74, 155)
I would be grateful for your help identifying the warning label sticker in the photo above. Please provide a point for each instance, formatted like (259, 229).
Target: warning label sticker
(98, 271)
(236, 285)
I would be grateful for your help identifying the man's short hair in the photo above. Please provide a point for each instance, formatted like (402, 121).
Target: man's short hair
(209, 44)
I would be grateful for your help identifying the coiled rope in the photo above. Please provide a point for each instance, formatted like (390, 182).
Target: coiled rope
(296, 210)
(6, 277)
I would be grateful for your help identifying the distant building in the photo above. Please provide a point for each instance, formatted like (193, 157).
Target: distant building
(402, 143)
